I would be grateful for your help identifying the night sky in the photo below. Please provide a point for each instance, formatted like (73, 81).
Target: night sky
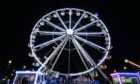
(18, 19)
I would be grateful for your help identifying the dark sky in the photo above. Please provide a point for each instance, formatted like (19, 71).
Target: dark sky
(18, 19)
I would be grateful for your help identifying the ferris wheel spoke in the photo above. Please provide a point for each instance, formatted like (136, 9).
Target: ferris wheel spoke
(70, 13)
(50, 33)
(83, 52)
(77, 48)
(58, 55)
(98, 34)
(53, 54)
(48, 42)
(78, 21)
(62, 22)
(90, 43)
(53, 25)
(86, 26)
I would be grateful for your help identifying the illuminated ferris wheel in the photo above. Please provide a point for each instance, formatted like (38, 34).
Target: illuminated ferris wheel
(70, 41)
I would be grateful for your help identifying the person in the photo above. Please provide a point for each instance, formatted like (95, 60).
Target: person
(31, 79)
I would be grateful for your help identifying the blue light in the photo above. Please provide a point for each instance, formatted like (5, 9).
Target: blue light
(28, 72)
(124, 73)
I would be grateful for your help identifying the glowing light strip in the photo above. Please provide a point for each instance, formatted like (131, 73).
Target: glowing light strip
(28, 72)
(121, 73)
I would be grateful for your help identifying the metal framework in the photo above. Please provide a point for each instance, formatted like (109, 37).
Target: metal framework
(69, 30)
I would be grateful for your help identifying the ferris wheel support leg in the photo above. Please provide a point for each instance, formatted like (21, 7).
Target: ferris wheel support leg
(104, 75)
(81, 50)
(77, 48)
(85, 54)
(98, 68)
(81, 57)
(52, 55)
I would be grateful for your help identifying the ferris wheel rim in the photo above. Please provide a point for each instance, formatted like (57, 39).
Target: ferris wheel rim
(82, 72)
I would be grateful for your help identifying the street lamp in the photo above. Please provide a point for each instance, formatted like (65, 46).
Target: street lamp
(126, 60)
(10, 62)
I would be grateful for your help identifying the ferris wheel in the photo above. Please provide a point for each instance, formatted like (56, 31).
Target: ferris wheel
(70, 41)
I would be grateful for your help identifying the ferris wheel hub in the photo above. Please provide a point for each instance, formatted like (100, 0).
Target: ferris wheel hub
(69, 31)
